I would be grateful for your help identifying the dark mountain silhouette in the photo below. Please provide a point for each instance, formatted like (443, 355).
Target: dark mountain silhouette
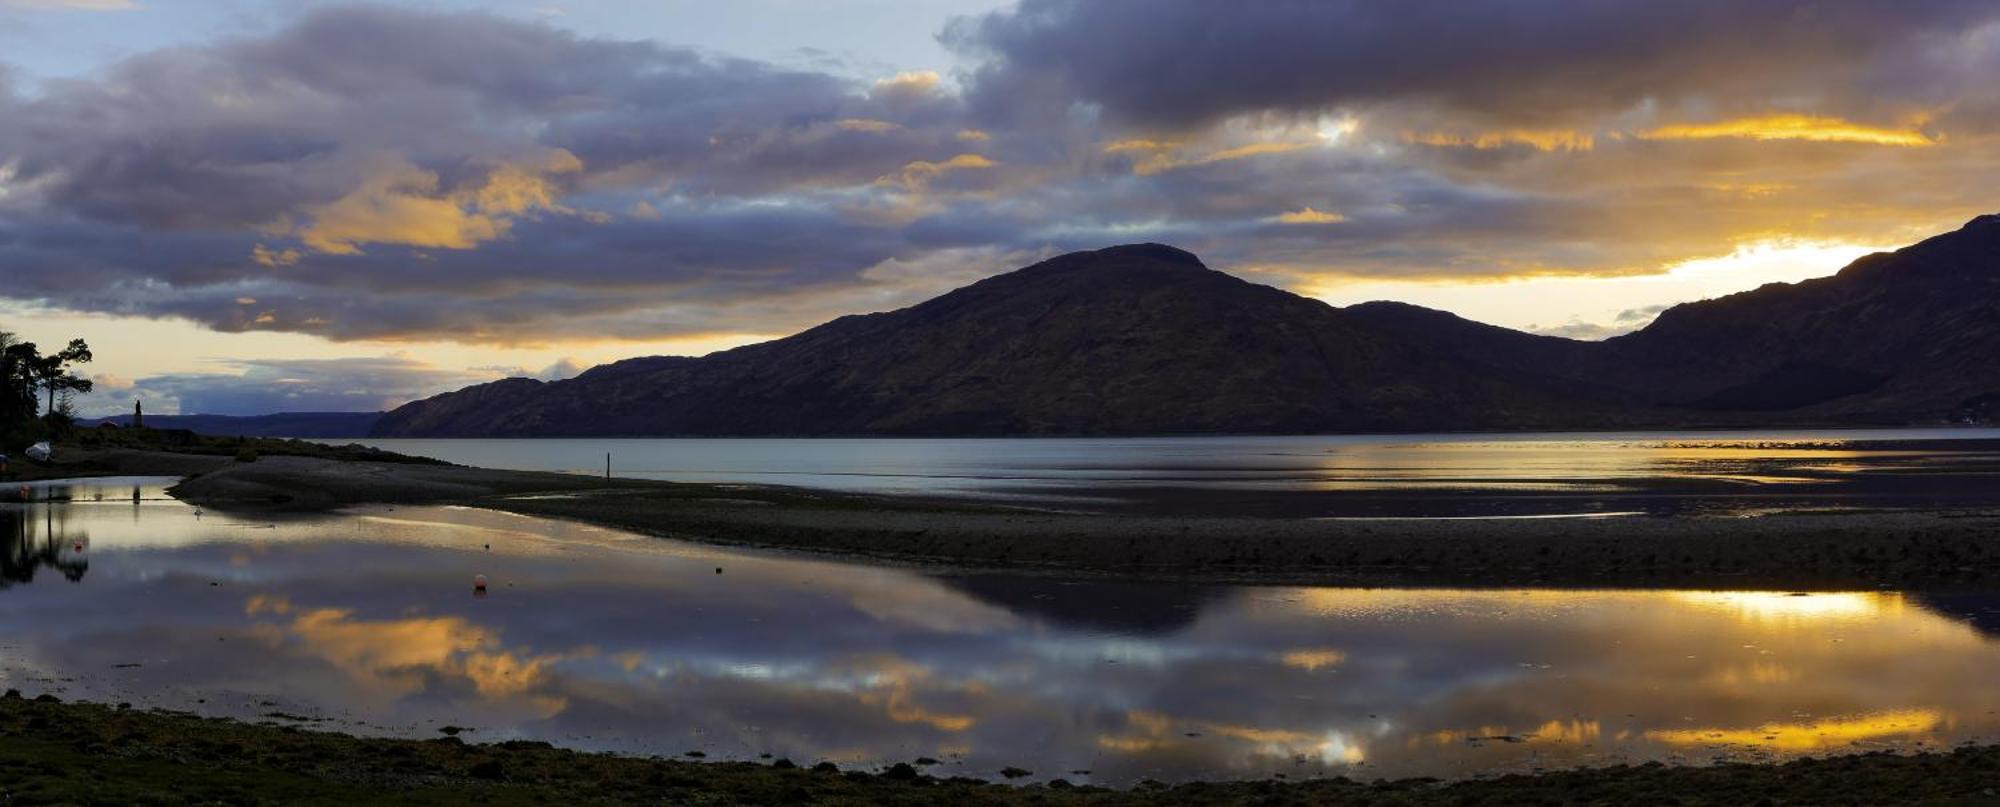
(1144, 339)
(1911, 336)
(282, 424)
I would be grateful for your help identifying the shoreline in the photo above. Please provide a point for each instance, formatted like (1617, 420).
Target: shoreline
(51, 751)
(1819, 551)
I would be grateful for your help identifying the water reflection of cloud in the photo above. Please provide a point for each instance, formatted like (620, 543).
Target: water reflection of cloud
(399, 657)
(1809, 736)
(614, 642)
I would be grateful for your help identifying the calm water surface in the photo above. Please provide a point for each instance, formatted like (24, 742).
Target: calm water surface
(599, 639)
(1661, 473)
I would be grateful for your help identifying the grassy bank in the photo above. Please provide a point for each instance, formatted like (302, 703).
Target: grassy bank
(52, 752)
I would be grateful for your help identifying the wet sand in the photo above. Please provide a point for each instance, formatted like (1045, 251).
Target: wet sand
(1844, 550)
(53, 752)
(1948, 548)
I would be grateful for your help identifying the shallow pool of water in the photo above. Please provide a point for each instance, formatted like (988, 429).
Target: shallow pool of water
(367, 621)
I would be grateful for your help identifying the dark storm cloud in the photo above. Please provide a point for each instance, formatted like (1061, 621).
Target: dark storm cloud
(1182, 63)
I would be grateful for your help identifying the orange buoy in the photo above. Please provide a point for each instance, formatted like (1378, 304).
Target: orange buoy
(479, 584)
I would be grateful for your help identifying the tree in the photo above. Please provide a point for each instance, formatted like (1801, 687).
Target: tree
(52, 371)
(19, 364)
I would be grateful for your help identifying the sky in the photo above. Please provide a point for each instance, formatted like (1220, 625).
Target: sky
(294, 205)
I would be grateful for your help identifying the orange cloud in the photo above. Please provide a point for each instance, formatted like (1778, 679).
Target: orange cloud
(1310, 216)
(402, 204)
(1792, 127)
(265, 256)
(917, 175)
(915, 82)
(1163, 161)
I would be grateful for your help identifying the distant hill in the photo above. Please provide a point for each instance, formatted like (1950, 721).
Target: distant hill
(1144, 339)
(322, 425)
(1910, 336)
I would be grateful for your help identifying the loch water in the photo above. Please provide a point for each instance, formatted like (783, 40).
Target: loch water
(366, 621)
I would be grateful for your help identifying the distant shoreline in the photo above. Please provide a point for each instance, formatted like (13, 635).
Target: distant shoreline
(1605, 430)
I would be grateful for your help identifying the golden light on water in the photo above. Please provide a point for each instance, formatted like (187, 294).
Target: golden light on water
(1780, 606)
(1310, 659)
(1808, 736)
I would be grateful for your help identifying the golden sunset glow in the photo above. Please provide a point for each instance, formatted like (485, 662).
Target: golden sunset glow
(917, 175)
(1162, 159)
(1792, 127)
(1311, 659)
(403, 205)
(1595, 299)
(1308, 215)
(1778, 606)
(1828, 733)
(396, 657)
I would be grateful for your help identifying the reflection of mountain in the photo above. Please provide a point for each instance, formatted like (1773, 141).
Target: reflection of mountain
(1981, 610)
(22, 552)
(1094, 605)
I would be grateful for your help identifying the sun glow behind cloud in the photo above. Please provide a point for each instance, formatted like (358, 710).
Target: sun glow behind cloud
(1604, 306)
(1792, 127)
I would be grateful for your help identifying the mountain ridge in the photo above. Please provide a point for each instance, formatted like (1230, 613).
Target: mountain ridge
(1147, 339)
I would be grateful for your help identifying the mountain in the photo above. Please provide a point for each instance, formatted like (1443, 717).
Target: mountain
(322, 425)
(1138, 339)
(1911, 336)
(1144, 339)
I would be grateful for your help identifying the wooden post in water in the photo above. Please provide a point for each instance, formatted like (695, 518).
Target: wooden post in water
(607, 465)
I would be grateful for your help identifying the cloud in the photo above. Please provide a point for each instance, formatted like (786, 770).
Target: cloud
(364, 172)
(1308, 215)
(403, 205)
(1184, 63)
(1578, 329)
(73, 5)
(1792, 127)
(918, 174)
(266, 386)
(274, 258)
